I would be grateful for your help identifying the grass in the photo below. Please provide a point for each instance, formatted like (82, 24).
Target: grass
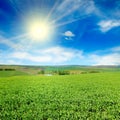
(11, 73)
(73, 97)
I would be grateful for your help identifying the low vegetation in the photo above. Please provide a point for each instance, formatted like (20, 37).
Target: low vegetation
(7, 69)
(67, 97)
(58, 70)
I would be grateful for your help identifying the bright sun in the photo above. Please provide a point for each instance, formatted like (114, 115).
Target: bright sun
(38, 30)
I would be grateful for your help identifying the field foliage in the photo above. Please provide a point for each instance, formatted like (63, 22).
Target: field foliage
(69, 97)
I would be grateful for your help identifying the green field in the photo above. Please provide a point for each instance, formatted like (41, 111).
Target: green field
(21, 70)
(69, 97)
(11, 73)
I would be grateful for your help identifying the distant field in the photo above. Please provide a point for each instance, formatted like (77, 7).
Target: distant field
(69, 97)
(11, 73)
(71, 69)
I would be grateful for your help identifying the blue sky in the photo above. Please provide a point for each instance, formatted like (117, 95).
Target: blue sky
(81, 32)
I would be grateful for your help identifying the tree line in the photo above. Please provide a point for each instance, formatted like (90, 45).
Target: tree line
(55, 72)
(7, 69)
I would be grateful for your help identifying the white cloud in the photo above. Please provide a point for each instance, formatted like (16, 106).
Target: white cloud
(53, 55)
(69, 6)
(107, 25)
(61, 55)
(11, 42)
(109, 56)
(74, 10)
(109, 59)
(116, 49)
(69, 34)
(30, 57)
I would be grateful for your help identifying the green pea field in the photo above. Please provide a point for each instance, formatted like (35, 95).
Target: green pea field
(66, 97)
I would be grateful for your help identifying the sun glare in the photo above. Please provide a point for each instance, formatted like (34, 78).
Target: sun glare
(39, 30)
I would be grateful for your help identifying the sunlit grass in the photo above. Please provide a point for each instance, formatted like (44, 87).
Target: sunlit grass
(74, 97)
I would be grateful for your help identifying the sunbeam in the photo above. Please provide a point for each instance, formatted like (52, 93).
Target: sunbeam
(67, 22)
(11, 42)
(52, 10)
(69, 10)
(70, 21)
(62, 16)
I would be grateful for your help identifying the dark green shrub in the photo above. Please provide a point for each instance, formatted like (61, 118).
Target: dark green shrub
(9, 69)
(41, 72)
(93, 71)
(63, 72)
(83, 72)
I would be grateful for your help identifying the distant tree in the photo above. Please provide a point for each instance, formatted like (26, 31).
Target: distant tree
(55, 72)
(83, 72)
(93, 71)
(63, 72)
(41, 72)
(9, 69)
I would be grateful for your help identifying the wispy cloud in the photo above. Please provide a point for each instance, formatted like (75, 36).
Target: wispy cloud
(30, 57)
(109, 15)
(10, 62)
(115, 49)
(15, 43)
(81, 9)
(109, 56)
(61, 55)
(109, 59)
(79, 5)
(52, 55)
(74, 10)
(107, 25)
(108, 11)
